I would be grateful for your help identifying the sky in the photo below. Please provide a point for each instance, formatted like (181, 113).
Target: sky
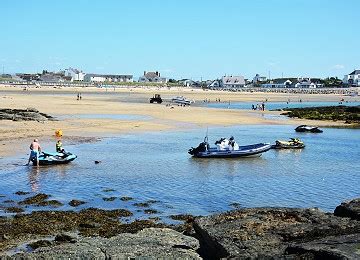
(197, 39)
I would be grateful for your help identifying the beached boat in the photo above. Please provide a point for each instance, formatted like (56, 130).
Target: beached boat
(55, 158)
(293, 143)
(181, 100)
(232, 151)
(310, 129)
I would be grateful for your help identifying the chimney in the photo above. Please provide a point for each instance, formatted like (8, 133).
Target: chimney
(157, 73)
(144, 72)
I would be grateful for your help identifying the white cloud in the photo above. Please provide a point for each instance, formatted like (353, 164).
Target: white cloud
(338, 67)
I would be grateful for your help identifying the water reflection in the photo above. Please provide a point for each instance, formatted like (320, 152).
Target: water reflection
(33, 176)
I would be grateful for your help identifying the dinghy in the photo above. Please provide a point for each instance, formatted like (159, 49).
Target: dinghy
(232, 150)
(310, 129)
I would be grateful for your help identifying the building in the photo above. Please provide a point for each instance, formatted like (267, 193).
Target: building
(107, 78)
(258, 79)
(75, 74)
(278, 83)
(352, 79)
(232, 81)
(152, 77)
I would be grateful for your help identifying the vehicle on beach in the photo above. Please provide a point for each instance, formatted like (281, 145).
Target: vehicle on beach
(310, 129)
(182, 100)
(156, 99)
(228, 149)
(54, 158)
(293, 143)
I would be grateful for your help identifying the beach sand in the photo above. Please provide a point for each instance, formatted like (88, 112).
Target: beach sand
(15, 136)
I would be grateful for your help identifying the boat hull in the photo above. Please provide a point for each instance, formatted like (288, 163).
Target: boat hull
(55, 158)
(255, 150)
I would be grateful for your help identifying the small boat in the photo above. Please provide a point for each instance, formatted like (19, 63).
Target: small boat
(205, 151)
(293, 143)
(181, 100)
(55, 158)
(310, 129)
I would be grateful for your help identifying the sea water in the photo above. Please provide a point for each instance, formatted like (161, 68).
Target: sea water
(280, 105)
(156, 166)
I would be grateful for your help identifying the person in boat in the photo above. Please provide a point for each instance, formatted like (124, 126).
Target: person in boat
(233, 145)
(35, 151)
(59, 148)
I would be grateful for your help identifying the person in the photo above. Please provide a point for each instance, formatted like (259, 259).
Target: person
(59, 148)
(35, 151)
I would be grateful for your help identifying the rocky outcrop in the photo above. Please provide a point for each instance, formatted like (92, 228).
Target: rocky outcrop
(29, 114)
(350, 209)
(151, 243)
(339, 247)
(263, 233)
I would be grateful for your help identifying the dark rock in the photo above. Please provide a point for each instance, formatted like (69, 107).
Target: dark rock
(37, 199)
(21, 193)
(340, 247)
(183, 217)
(350, 209)
(75, 203)
(266, 232)
(126, 198)
(97, 162)
(23, 115)
(14, 210)
(109, 199)
(54, 203)
(64, 238)
(150, 211)
(142, 204)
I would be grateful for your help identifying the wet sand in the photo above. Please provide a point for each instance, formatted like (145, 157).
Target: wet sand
(61, 103)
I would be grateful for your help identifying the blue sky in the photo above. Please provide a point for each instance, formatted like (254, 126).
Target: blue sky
(182, 39)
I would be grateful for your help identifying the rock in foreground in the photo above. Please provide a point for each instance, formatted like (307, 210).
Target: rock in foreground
(150, 243)
(267, 233)
(350, 209)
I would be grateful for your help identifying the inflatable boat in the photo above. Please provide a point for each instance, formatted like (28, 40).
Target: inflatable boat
(310, 129)
(205, 151)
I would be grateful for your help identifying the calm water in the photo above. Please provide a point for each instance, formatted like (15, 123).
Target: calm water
(156, 166)
(280, 105)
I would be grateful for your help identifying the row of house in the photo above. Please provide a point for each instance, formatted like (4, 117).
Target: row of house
(227, 82)
(72, 74)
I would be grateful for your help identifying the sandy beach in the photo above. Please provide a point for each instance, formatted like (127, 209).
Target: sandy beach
(61, 103)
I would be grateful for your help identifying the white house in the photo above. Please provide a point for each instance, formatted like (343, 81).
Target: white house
(107, 78)
(75, 74)
(152, 77)
(232, 81)
(278, 83)
(353, 78)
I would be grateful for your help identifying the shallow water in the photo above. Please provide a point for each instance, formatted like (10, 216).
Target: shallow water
(279, 105)
(156, 166)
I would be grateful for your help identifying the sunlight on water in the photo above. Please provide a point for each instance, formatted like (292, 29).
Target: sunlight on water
(156, 166)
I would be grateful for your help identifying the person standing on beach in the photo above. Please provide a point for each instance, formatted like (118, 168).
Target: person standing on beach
(35, 151)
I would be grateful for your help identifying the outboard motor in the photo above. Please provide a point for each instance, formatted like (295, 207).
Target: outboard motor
(201, 148)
